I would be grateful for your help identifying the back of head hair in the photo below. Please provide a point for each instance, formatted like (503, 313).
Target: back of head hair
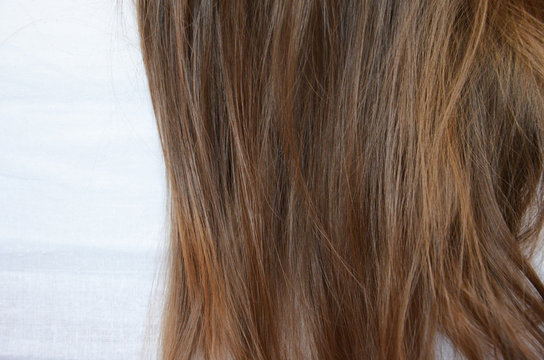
(350, 179)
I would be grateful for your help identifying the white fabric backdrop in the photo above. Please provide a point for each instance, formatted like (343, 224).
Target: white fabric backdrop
(81, 182)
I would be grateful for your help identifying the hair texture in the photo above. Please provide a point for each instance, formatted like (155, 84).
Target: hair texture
(350, 179)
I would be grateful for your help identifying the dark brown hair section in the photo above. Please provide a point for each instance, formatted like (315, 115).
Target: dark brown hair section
(350, 179)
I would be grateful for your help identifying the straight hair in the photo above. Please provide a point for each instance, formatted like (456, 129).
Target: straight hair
(350, 179)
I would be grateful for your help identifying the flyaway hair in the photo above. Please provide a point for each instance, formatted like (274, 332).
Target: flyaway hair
(350, 179)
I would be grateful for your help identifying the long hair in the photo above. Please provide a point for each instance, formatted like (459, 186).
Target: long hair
(350, 179)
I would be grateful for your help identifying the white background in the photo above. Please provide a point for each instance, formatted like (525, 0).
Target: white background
(81, 182)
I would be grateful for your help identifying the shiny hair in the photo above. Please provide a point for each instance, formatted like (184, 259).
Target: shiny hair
(350, 179)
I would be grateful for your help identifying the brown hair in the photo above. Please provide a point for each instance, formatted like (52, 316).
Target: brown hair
(350, 179)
